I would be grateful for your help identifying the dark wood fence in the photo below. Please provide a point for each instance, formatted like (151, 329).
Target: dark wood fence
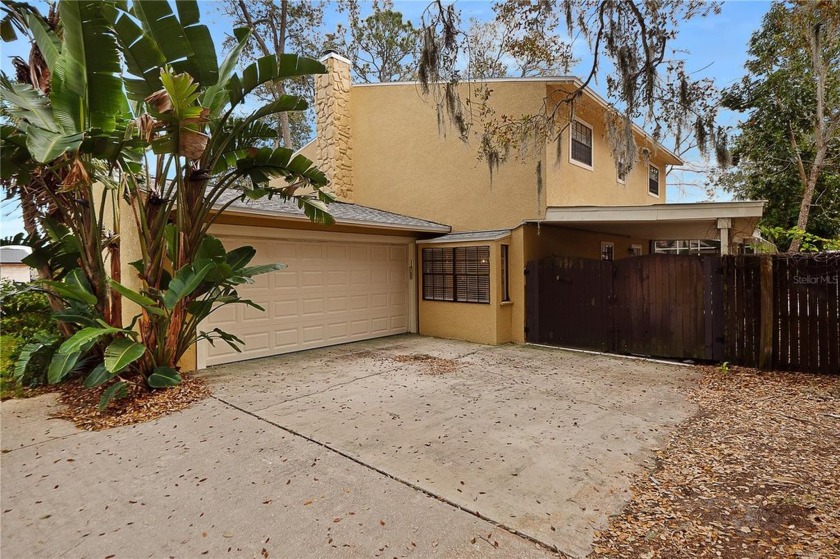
(779, 311)
(785, 307)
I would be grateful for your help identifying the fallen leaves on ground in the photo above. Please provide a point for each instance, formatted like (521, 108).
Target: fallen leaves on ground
(81, 404)
(753, 474)
(434, 365)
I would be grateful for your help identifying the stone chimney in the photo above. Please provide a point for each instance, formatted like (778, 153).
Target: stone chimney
(333, 141)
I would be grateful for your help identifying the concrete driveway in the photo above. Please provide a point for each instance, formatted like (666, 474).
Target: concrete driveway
(394, 447)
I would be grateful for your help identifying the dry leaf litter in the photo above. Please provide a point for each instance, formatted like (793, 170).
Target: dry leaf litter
(755, 473)
(82, 404)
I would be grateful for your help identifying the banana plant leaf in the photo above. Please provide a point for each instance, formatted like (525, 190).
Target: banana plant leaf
(121, 353)
(261, 165)
(87, 89)
(271, 68)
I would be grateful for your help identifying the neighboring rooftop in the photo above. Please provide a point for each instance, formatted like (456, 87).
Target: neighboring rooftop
(342, 212)
(13, 255)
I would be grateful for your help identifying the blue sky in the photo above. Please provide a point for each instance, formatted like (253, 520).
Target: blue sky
(714, 47)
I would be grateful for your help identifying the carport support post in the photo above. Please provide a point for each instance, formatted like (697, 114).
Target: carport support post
(724, 224)
(765, 354)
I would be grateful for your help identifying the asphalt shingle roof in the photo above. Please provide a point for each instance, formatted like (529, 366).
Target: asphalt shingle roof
(341, 211)
(492, 235)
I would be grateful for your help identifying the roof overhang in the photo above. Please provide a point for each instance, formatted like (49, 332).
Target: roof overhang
(469, 237)
(655, 212)
(661, 221)
(671, 157)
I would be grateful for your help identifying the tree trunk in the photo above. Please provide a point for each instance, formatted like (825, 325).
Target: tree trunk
(281, 89)
(820, 138)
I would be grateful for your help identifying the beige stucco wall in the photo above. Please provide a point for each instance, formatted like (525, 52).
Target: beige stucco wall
(521, 252)
(474, 322)
(309, 151)
(568, 184)
(404, 164)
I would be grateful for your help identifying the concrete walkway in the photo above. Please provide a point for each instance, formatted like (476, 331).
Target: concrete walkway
(354, 451)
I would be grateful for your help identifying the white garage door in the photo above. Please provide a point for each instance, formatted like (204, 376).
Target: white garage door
(334, 291)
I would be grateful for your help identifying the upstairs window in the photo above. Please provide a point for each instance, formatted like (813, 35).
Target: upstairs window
(459, 274)
(581, 143)
(621, 171)
(653, 181)
(622, 177)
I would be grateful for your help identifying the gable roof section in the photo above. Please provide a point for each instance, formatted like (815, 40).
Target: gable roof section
(558, 80)
(344, 214)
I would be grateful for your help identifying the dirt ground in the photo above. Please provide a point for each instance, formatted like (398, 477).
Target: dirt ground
(753, 474)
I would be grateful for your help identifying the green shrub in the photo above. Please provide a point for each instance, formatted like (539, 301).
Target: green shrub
(9, 350)
(27, 326)
(24, 313)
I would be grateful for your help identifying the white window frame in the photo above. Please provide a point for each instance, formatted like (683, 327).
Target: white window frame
(574, 161)
(620, 180)
(611, 245)
(658, 181)
(635, 250)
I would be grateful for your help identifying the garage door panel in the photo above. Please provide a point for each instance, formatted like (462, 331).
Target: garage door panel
(379, 301)
(379, 325)
(338, 277)
(285, 308)
(285, 339)
(359, 302)
(310, 251)
(225, 315)
(251, 315)
(359, 327)
(312, 278)
(314, 333)
(337, 304)
(284, 278)
(337, 331)
(332, 292)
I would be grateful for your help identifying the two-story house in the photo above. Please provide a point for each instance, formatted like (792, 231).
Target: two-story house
(428, 240)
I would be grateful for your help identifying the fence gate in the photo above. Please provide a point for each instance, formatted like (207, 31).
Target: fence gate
(657, 305)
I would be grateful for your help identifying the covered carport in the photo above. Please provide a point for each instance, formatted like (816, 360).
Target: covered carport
(731, 223)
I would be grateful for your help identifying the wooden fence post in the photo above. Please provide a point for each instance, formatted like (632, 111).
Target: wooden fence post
(765, 353)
